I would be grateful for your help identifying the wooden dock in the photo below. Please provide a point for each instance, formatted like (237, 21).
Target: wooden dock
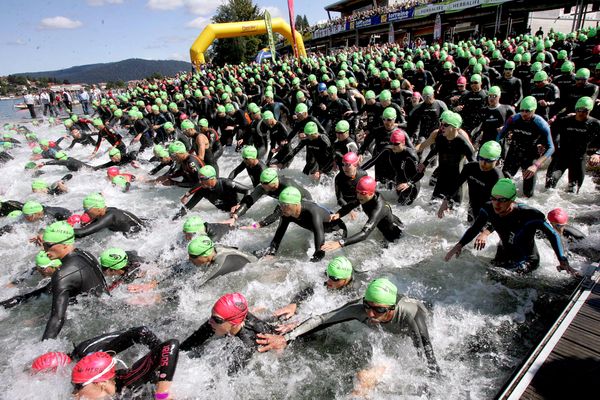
(566, 363)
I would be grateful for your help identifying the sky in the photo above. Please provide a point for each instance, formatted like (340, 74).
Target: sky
(45, 35)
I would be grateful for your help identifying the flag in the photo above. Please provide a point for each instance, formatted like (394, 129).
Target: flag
(293, 25)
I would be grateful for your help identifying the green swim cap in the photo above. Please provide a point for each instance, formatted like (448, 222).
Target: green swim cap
(201, 246)
(43, 261)
(37, 150)
(32, 207)
(301, 108)
(249, 152)
(585, 102)
(118, 113)
(290, 195)
(340, 268)
(38, 184)
(268, 115)
(506, 188)
(385, 95)
(59, 233)
(490, 150)
(114, 152)
(428, 91)
(342, 126)
(114, 258)
(509, 65)
(221, 109)
(61, 155)
(74, 118)
(476, 78)
(452, 118)
(381, 291)
(45, 143)
(203, 123)
(30, 165)
(177, 147)
(370, 95)
(194, 224)
(15, 214)
(229, 108)
(208, 172)
(68, 123)
(94, 200)
(567, 66)
(540, 76)
(120, 181)
(187, 124)
(268, 175)
(529, 103)
(311, 128)
(97, 122)
(168, 125)
(495, 90)
(389, 113)
(332, 90)
(582, 73)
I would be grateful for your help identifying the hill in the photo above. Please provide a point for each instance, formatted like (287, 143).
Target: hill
(126, 70)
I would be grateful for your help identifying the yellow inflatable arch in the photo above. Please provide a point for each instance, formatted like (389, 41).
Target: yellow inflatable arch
(235, 29)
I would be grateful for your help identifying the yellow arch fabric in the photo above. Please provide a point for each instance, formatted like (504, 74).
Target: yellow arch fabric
(235, 29)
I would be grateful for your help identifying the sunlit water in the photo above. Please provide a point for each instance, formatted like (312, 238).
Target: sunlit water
(481, 329)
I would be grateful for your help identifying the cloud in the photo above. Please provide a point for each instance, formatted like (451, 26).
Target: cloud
(197, 7)
(178, 57)
(59, 22)
(274, 11)
(98, 3)
(17, 42)
(198, 23)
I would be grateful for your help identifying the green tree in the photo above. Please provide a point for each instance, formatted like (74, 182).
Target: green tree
(240, 49)
(299, 23)
(305, 22)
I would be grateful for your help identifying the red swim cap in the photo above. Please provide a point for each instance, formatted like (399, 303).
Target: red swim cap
(97, 367)
(366, 185)
(74, 219)
(558, 216)
(112, 172)
(350, 158)
(183, 116)
(398, 136)
(85, 218)
(416, 95)
(51, 143)
(461, 81)
(232, 307)
(50, 362)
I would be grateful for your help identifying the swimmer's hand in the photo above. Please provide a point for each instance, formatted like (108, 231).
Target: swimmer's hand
(595, 160)
(286, 312)
(230, 221)
(285, 328)
(454, 251)
(443, 208)
(141, 287)
(331, 246)
(269, 341)
(481, 240)
(564, 266)
(334, 217)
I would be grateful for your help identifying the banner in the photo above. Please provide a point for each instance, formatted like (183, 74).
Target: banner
(489, 3)
(400, 15)
(293, 25)
(437, 28)
(391, 33)
(270, 34)
(460, 5)
(429, 9)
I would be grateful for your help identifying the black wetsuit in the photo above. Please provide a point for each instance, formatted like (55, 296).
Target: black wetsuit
(380, 216)
(574, 137)
(409, 319)
(259, 191)
(397, 168)
(111, 137)
(517, 249)
(511, 89)
(85, 140)
(314, 218)
(342, 147)
(189, 171)
(115, 220)
(480, 185)
(451, 153)
(172, 167)
(125, 159)
(424, 119)
(473, 104)
(345, 187)
(72, 164)
(79, 273)
(492, 119)
(523, 152)
(116, 342)
(253, 172)
(132, 270)
(242, 353)
(319, 155)
(224, 195)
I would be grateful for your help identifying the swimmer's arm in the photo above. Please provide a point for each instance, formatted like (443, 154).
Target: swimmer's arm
(474, 229)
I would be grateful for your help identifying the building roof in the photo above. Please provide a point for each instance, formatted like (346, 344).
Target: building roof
(347, 5)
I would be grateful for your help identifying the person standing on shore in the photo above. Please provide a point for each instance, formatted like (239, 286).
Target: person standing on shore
(29, 101)
(84, 99)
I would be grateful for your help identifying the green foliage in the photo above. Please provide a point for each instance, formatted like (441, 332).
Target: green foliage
(115, 84)
(240, 49)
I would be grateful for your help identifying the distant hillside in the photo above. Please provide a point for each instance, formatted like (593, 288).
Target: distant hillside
(126, 70)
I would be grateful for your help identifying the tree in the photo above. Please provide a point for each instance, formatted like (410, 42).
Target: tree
(239, 49)
(299, 23)
(305, 22)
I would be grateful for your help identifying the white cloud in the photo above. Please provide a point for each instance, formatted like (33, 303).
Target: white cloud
(197, 7)
(17, 42)
(59, 22)
(274, 11)
(178, 57)
(98, 3)
(198, 23)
